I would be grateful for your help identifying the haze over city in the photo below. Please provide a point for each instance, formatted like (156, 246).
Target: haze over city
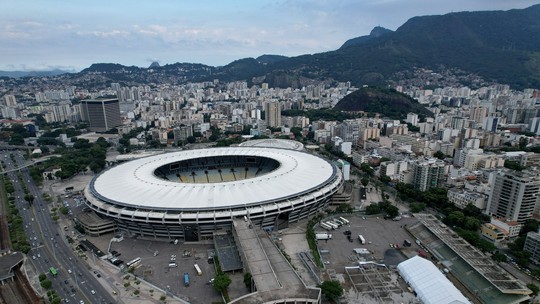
(45, 35)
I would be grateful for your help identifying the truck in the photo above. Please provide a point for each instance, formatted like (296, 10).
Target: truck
(325, 226)
(186, 279)
(198, 269)
(361, 239)
(361, 251)
(323, 236)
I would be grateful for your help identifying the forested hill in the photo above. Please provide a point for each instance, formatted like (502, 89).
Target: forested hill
(387, 102)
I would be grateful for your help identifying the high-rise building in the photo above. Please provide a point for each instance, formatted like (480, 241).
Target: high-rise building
(101, 114)
(535, 125)
(10, 101)
(491, 123)
(272, 114)
(514, 195)
(532, 246)
(412, 118)
(182, 133)
(478, 113)
(428, 174)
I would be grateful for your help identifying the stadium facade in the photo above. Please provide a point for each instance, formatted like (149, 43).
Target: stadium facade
(188, 195)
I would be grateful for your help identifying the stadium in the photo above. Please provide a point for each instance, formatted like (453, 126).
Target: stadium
(189, 195)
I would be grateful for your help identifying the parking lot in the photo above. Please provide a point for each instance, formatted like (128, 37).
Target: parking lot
(154, 267)
(381, 237)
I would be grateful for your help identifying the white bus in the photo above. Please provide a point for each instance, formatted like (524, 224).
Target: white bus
(133, 263)
(198, 269)
(333, 225)
(361, 239)
(344, 220)
(325, 226)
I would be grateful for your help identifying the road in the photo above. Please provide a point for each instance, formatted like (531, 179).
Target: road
(29, 163)
(74, 281)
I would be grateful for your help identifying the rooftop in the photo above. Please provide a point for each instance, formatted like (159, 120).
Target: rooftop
(136, 184)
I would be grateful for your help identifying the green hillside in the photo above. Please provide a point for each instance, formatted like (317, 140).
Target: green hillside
(387, 102)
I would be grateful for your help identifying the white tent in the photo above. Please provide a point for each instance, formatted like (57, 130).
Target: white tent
(431, 286)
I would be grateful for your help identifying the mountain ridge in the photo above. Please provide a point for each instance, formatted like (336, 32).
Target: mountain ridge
(500, 46)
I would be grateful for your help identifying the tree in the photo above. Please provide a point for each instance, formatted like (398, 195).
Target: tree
(471, 223)
(522, 258)
(221, 282)
(82, 144)
(154, 144)
(392, 211)
(332, 290)
(523, 143)
(42, 277)
(517, 245)
(366, 168)
(530, 225)
(385, 179)
(64, 210)
(455, 218)
(417, 207)
(439, 155)
(534, 288)
(344, 208)
(29, 198)
(373, 209)
(247, 279)
(56, 300)
(514, 165)
(499, 257)
(46, 284)
(364, 181)
(16, 139)
(191, 139)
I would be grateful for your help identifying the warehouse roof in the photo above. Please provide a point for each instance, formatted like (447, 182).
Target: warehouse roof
(429, 283)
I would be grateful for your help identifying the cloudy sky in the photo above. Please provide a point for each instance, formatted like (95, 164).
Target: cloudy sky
(46, 34)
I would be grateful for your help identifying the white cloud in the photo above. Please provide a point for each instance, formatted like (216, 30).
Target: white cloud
(211, 33)
(105, 34)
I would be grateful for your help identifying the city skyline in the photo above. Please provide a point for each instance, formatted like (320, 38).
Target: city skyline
(46, 35)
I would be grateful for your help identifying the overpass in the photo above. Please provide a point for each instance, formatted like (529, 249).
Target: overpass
(274, 279)
(31, 163)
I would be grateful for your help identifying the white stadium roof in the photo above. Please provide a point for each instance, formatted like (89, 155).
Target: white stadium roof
(134, 183)
(274, 143)
(431, 286)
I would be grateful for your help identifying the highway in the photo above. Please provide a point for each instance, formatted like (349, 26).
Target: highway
(74, 282)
